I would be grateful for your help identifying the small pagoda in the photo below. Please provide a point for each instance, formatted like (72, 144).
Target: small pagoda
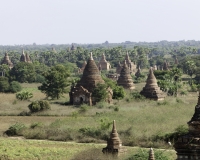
(151, 89)
(6, 60)
(25, 57)
(151, 154)
(176, 61)
(125, 80)
(82, 92)
(131, 65)
(188, 146)
(114, 144)
(103, 63)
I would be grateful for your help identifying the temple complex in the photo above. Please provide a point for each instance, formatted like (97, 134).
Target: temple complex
(103, 63)
(151, 154)
(188, 146)
(82, 92)
(25, 57)
(151, 89)
(114, 144)
(125, 80)
(6, 60)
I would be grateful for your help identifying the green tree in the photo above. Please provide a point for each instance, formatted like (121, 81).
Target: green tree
(23, 72)
(118, 93)
(15, 87)
(4, 84)
(100, 93)
(55, 82)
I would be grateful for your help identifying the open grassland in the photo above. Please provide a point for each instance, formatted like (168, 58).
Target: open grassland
(18, 149)
(138, 121)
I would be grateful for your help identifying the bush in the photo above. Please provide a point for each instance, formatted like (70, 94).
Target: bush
(137, 96)
(39, 106)
(15, 87)
(24, 95)
(4, 84)
(15, 129)
(144, 154)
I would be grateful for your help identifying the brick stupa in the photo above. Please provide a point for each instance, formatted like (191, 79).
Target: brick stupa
(130, 64)
(125, 80)
(82, 92)
(151, 89)
(138, 73)
(25, 57)
(188, 145)
(151, 154)
(114, 144)
(103, 63)
(6, 60)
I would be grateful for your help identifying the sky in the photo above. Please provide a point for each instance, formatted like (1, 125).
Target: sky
(97, 21)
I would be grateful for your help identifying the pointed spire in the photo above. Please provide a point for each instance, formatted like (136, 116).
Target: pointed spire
(114, 127)
(91, 57)
(127, 56)
(151, 154)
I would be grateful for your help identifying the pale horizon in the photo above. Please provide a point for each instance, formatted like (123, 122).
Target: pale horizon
(97, 21)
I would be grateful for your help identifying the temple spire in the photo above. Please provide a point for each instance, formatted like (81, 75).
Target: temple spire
(91, 57)
(151, 154)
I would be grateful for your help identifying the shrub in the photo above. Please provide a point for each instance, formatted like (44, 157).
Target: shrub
(15, 129)
(84, 108)
(4, 84)
(15, 87)
(137, 96)
(37, 106)
(24, 95)
(144, 154)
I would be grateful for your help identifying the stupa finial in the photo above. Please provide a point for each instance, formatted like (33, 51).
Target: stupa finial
(151, 154)
(91, 57)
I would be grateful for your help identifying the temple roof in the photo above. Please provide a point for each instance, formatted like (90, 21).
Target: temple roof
(91, 75)
(125, 78)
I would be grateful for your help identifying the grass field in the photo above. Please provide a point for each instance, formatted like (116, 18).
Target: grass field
(21, 149)
(137, 122)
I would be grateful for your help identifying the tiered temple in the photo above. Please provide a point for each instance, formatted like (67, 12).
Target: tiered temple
(130, 64)
(82, 92)
(25, 57)
(125, 78)
(114, 144)
(6, 60)
(73, 47)
(103, 63)
(151, 89)
(188, 145)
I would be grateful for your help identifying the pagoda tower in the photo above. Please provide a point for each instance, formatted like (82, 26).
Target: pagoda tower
(176, 61)
(114, 144)
(105, 65)
(188, 146)
(130, 64)
(125, 80)
(151, 89)
(151, 154)
(83, 66)
(82, 92)
(6, 60)
(25, 57)
(73, 47)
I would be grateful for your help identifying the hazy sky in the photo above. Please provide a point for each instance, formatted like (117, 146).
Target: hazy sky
(95, 21)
